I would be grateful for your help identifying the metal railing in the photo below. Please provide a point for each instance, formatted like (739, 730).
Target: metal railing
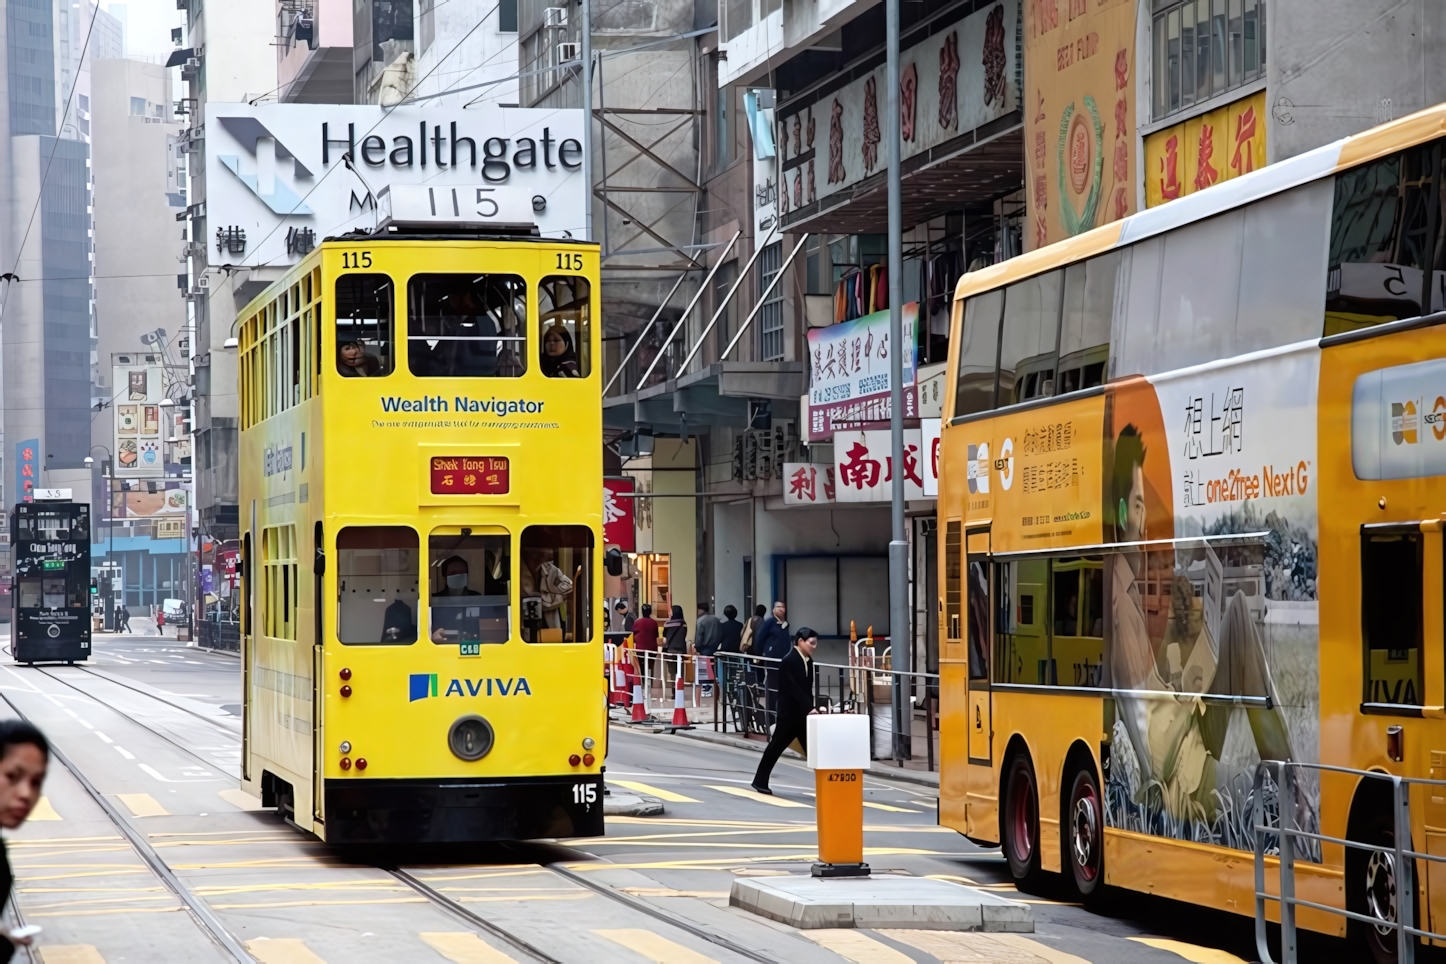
(1398, 858)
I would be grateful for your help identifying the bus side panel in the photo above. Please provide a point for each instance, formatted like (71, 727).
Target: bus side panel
(1049, 724)
(1215, 877)
(954, 769)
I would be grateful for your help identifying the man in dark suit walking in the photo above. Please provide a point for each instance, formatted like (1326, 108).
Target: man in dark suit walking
(795, 702)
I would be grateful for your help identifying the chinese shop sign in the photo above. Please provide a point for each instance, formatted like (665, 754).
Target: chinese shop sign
(470, 475)
(1205, 150)
(808, 483)
(618, 520)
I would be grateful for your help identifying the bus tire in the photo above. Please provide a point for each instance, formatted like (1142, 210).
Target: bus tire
(1371, 887)
(1083, 832)
(1019, 821)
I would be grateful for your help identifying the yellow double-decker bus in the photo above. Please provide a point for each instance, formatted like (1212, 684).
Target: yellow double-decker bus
(420, 481)
(1192, 497)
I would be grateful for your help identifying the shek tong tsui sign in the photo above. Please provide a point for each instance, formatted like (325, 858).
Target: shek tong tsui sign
(276, 173)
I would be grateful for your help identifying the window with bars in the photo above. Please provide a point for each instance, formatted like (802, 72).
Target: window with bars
(770, 315)
(1204, 48)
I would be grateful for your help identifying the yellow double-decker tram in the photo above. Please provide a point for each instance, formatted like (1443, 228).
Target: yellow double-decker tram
(420, 483)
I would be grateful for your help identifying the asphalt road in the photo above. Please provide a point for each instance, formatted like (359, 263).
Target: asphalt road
(154, 728)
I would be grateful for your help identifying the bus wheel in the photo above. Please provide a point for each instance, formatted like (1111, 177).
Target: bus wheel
(1019, 825)
(1371, 888)
(1084, 833)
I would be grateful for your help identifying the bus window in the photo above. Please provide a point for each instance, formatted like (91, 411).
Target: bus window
(1027, 341)
(376, 585)
(466, 325)
(468, 586)
(979, 355)
(977, 574)
(1084, 332)
(1391, 564)
(556, 588)
(364, 325)
(1021, 634)
(564, 308)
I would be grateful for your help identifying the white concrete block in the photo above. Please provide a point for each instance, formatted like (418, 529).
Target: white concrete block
(838, 741)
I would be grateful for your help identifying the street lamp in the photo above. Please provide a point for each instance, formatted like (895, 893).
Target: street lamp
(110, 562)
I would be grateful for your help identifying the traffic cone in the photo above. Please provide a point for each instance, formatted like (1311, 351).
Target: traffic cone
(680, 712)
(640, 714)
(619, 696)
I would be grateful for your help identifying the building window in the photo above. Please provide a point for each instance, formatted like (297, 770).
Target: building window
(722, 129)
(507, 16)
(770, 315)
(138, 107)
(1204, 48)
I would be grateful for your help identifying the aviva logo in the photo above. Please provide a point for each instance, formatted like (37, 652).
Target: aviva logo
(422, 685)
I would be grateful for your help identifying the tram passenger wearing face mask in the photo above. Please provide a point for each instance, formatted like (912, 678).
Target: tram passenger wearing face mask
(447, 617)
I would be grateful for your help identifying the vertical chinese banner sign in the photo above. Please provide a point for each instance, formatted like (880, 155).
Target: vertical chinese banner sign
(27, 470)
(618, 528)
(1079, 116)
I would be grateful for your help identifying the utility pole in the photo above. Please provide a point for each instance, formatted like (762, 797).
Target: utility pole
(586, 59)
(901, 639)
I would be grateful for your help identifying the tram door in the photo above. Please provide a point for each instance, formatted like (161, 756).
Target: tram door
(978, 618)
(318, 573)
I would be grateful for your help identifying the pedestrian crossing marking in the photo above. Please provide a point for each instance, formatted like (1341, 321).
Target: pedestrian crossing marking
(1190, 952)
(853, 945)
(287, 950)
(143, 805)
(666, 795)
(891, 809)
(658, 949)
(240, 799)
(464, 947)
(755, 795)
(966, 948)
(44, 810)
(70, 954)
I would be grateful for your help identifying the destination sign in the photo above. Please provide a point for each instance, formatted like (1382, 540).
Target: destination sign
(470, 475)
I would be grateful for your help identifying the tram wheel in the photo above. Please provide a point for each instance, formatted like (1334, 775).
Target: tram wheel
(1083, 830)
(1371, 889)
(1019, 821)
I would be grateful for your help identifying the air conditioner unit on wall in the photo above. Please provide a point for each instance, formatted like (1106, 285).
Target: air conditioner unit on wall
(554, 17)
(568, 52)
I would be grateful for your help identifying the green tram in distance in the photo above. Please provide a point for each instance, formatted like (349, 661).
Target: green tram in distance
(50, 587)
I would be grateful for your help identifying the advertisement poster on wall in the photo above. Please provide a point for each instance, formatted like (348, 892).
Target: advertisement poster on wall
(1203, 151)
(850, 373)
(618, 522)
(1079, 116)
(139, 452)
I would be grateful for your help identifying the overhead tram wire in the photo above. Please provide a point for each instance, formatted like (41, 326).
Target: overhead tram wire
(198, 908)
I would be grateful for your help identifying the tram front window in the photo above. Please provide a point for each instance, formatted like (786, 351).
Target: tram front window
(468, 575)
(377, 570)
(556, 584)
(564, 307)
(466, 325)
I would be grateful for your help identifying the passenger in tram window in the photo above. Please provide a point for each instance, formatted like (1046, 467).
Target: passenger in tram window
(456, 576)
(353, 361)
(559, 358)
(398, 626)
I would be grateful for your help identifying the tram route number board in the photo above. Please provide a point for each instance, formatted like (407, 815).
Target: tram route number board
(470, 475)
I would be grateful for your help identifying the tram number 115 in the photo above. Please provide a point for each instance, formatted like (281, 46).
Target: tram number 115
(569, 262)
(584, 793)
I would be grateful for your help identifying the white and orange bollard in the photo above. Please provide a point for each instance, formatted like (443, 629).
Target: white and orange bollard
(838, 755)
(680, 709)
(640, 708)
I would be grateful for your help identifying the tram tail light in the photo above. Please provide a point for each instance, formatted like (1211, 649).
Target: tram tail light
(587, 759)
(574, 760)
(345, 674)
(346, 763)
(345, 690)
(361, 763)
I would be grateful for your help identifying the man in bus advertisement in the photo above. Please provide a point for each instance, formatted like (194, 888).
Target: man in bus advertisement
(1213, 596)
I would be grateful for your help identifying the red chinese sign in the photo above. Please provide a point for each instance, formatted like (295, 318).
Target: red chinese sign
(470, 475)
(618, 529)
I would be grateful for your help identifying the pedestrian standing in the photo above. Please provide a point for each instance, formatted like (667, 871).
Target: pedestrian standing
(160, 622)
(795, 703)
(645, 644)
(707, 636)
(771, 643)
(24, 756)
(750, 629)
(675, 646)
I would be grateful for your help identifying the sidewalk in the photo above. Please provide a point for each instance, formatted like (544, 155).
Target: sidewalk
(706, 734)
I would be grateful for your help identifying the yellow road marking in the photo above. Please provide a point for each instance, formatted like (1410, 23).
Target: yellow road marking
(854, 946)
(754, 795)
(231, 833)
(693, 822)
(529, 872)
(42, 841)
(652, 791)
(465, 948)
(891, 809)
(320, 903)
(670, 892)
(222, 890)
(70, 954)
(240, 799)
(580, 895)
(283, 951)
(93, 900)
(88, 890)
(954, 947)
(45, 810)
(143, 805)
(1190, 952)
(111, 910)
(660, 950)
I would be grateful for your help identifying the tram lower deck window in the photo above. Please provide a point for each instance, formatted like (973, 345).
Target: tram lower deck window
(377, 572)
(469, 572)
(556, 587)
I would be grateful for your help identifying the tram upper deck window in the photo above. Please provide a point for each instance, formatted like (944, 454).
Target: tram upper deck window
(556, 588)
(468, 576)
(364, 325)
(467, 325)
(564, 304)
(377, 573)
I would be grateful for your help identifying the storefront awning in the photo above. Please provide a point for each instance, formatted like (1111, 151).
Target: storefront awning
(716, 395)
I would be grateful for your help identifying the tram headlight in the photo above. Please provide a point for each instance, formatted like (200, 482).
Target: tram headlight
(470, 738)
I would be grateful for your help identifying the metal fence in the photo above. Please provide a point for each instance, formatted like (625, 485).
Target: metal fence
(1277, 804)
(222, 636)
